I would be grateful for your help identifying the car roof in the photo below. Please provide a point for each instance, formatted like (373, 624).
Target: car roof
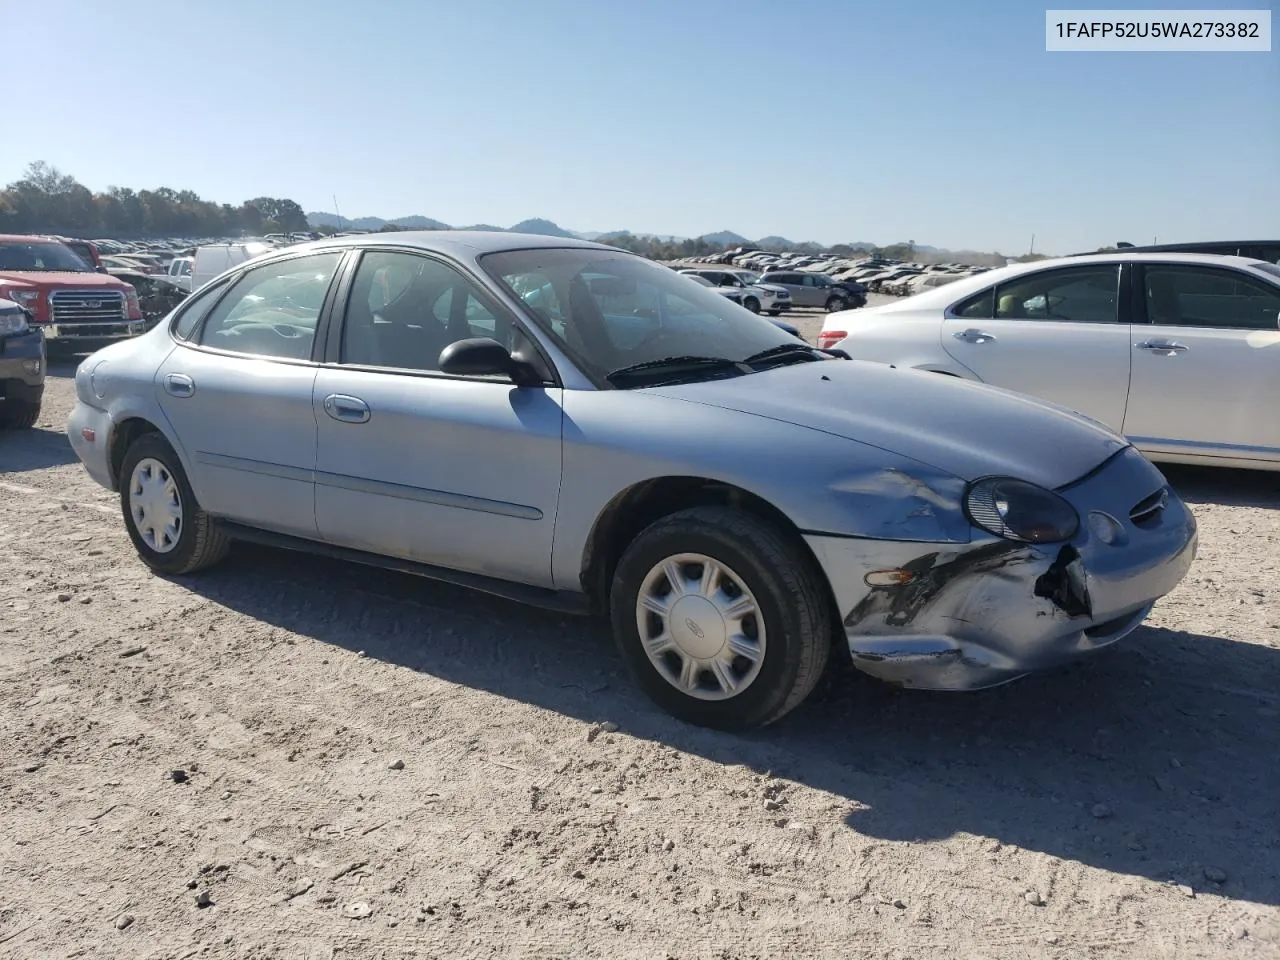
(1201, 247)
(973, 283)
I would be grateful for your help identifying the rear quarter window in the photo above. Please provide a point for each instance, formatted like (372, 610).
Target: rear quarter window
(195, 310)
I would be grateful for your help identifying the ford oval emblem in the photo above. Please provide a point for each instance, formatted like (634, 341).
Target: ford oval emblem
(93, 304)
(694, 628)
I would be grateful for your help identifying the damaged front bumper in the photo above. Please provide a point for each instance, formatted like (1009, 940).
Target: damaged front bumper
(973, 615)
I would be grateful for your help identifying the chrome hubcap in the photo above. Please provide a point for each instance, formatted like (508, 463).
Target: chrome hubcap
(701, 627)
(155, 505)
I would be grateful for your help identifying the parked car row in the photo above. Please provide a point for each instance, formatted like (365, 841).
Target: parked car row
(834, 283)
(571, 425)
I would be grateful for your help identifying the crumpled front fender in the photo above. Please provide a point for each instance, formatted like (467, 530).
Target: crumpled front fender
(898, 499)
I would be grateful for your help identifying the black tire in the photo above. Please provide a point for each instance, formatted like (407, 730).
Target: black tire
(788, 590)
(834, 304)
(18, 414)
(773, 313)
(752, 304)
(59, 350)
(199, 543)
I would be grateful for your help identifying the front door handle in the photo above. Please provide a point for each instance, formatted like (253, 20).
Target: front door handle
(179, 385)
(973, 335)
(1166, 347)
(347, 409)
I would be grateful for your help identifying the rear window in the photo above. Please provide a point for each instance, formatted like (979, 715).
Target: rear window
(194, 310)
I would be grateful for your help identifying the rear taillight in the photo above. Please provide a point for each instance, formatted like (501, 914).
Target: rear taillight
(133, 309)
(829, 338)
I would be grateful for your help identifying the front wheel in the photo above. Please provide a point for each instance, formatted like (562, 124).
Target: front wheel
(19, 414)
(834, 304)
(721, 617)
(170, 531)
(773, 313)
(752, 304)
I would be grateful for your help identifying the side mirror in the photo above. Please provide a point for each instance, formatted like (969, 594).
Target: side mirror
(485, 357)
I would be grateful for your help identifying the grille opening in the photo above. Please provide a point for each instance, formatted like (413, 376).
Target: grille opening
(86, 306)
(1146, 511)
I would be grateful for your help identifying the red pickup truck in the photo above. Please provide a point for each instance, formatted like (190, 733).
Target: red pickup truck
(79, 309)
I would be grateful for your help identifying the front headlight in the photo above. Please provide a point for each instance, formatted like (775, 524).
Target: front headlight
(1017, 510)
(24, 298)
(13, 322)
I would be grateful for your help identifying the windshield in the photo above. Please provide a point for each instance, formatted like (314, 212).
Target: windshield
(614, 310)
(746, 276)
(40, 255)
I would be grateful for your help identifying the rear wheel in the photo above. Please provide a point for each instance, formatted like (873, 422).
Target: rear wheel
(834, 304)
(773, 313)
(170, 531)
(752, 304)
(19, 414)
(721, 618)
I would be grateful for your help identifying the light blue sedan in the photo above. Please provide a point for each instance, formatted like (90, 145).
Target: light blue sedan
(575, 426)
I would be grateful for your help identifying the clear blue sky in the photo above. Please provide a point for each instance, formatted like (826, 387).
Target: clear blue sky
(830, 120)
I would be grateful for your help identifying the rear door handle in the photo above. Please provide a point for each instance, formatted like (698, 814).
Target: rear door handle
(973, 335)
(1167, 347)
(347, 409)
(179, 385)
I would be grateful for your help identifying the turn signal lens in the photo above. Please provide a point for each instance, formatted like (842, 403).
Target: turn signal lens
(88, 434)
(888, 578)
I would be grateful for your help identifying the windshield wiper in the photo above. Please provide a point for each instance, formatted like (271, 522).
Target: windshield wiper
(675, 364)
(783, 350)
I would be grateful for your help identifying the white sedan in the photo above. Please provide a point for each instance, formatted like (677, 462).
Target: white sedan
(1179, 352)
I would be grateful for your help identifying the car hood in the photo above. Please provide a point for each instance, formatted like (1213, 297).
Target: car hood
(772, 288)
(54, 278)
(967, 429)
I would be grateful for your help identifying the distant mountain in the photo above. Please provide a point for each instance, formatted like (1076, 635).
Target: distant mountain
(318, 219)
(548, 228)
(725, 237)
(418, 223)
(543, 228)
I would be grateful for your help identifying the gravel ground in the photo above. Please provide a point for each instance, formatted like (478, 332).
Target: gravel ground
(288, 757)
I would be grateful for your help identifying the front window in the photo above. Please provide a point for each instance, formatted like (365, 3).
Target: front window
(611, 311)
(1187, 296)
(40, 256)
(404, 309)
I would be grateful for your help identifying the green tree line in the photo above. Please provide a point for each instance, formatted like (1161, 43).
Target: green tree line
(45, 200)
